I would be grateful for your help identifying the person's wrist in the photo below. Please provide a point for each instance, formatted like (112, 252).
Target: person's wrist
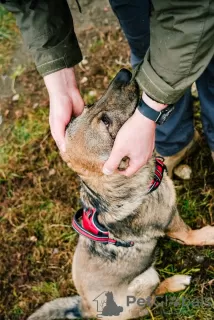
(142, 120)
(61, 81)
(153, 104)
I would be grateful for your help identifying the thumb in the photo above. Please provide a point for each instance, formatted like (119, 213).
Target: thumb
(113, 162)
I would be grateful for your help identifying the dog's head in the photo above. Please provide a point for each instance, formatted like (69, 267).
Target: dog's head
(90, 137)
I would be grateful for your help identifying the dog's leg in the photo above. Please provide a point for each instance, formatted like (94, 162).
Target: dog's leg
(142, 288)
(180, 232)
(173, 284)
(147, 286)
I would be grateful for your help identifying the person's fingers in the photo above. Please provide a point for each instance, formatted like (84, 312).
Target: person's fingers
(113, 161)
(58, 132)
(133, 167)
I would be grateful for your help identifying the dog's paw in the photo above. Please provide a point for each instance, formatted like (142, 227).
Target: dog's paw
(179, 282)
(208, 233)
(201, 237)
(173, 284)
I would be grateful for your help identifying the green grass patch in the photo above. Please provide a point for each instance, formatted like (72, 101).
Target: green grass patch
(7, 26)
(8, 38)
(96, 45)
(47, 288)
(21, 134)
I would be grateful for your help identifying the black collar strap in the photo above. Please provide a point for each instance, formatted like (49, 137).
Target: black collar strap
(93, 230)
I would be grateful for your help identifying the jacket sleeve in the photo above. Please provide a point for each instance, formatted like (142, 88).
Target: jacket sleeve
(181, 47)
(48, 32)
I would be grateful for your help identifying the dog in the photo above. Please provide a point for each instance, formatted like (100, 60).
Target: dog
(121, 220)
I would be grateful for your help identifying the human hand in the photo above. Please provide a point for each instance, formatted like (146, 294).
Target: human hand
(65, 101)
(135, 140)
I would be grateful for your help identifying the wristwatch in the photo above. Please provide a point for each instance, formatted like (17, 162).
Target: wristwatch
(157, 116)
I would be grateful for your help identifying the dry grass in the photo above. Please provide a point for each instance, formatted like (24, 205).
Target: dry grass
(39, 194)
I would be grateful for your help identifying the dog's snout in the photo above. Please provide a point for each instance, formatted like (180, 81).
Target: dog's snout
(124, 76)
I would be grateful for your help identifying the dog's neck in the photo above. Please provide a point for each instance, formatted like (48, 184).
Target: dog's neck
(116, 197)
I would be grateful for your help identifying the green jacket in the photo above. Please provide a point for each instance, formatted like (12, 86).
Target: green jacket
(181, 44)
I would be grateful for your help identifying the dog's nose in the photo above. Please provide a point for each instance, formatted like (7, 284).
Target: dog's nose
(124, 76)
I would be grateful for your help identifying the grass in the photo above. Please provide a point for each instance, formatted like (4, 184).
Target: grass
(8, 36)
(39, 194)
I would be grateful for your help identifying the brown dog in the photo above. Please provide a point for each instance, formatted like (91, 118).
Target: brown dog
(108, 273)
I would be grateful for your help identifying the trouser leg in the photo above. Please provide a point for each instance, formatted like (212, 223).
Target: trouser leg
(205, 86)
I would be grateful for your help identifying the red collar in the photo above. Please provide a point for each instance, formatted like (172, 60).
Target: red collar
(92, 229)
(159, 171)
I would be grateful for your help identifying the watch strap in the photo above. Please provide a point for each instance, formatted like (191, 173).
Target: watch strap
(157, 116)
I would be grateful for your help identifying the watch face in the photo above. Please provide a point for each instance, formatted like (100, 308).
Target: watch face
(165, 114)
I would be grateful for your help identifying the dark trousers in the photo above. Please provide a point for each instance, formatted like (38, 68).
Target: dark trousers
(178, 131)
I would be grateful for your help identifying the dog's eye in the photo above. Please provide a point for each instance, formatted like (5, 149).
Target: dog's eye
(106, 120)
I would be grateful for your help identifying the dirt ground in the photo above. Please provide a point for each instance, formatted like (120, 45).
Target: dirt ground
(39, 193)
